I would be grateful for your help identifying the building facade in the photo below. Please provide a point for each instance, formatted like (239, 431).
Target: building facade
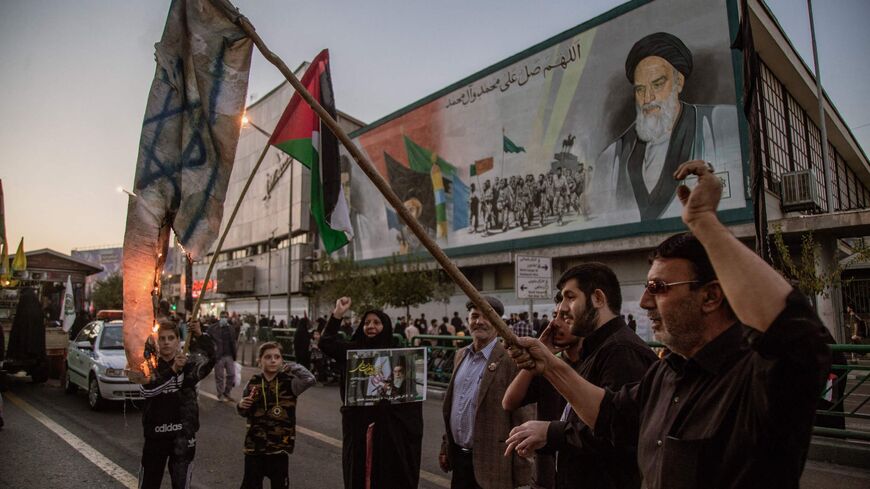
(537, 155)
(547, 153)
(272, 243)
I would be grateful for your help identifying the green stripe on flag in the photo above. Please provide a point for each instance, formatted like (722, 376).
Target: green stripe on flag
(332, 239)
(301, 150)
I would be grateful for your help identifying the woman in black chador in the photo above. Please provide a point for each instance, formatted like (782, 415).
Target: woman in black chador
(398, 428)
(27, 337)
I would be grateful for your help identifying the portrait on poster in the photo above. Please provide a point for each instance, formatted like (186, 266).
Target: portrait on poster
(582, 132)
(394, 375)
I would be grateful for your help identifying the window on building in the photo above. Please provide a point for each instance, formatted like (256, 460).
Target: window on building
(797, 134)
(475, 276)
(776, 144)
(790, 141)
(504, 276)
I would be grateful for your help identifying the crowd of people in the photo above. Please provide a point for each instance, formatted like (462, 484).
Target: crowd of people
(582, 403)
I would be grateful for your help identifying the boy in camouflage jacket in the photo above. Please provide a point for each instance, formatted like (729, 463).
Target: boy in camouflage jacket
(269, 403)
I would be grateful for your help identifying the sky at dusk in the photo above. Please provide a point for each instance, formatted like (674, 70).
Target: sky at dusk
(75, 77)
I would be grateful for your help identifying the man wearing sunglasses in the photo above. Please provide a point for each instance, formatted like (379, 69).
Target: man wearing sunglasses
(732, 405)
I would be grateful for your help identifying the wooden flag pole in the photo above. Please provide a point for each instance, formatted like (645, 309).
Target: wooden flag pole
(236, 17)
(220, 244)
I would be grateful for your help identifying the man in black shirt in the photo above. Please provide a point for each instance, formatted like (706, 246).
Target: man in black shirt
(611, 356)
(732, 405)
(527, 389)
(456, 322)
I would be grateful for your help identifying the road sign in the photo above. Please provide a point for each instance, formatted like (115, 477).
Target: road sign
(534, 277)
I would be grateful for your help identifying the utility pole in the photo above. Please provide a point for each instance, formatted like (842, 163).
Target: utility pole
(821, 97)
(290, 248)
(269, 276)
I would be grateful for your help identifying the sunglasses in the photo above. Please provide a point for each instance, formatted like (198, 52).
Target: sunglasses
(657, 287)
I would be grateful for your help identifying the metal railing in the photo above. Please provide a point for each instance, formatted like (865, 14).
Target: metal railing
(844, 408)
(441, 354)
(844, 405)
(284, 337)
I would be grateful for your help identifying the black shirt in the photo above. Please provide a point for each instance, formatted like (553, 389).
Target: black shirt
(170, 406)
(612, 356)
(738, 414)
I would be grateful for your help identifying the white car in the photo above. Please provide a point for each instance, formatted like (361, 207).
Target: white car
(96, 361)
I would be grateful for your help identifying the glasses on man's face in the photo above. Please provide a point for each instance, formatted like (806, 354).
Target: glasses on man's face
(658, 287)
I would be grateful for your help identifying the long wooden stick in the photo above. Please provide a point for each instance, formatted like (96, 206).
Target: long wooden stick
(220, 244)
(236, 17)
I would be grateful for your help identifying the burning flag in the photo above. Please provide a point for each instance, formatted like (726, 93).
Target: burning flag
(186, 153)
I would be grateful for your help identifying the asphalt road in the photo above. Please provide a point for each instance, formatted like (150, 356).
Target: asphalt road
(53, 440)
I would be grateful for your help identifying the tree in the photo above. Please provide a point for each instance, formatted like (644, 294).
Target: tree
(344, 277)
(804, 270)
(399, 282)
(409, 283)
(109, 293)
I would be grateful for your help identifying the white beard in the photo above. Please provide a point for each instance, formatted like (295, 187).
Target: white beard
(656, 127)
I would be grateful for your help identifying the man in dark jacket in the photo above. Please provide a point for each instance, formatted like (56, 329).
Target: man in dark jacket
(732, 404)
(610, 356)
(226, 344)
(170, 417)
(302, 344)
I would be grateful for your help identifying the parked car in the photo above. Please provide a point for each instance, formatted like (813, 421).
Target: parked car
(110, 314)
(96, 361)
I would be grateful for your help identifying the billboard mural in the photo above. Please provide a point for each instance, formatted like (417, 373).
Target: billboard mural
(107, 258)
(580, 132)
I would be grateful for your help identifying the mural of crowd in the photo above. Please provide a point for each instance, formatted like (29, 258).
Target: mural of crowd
(526, 202)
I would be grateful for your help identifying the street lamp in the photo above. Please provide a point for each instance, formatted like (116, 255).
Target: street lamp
(246, 121)
(121, 189)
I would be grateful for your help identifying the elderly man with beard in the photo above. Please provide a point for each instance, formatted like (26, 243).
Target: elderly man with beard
(611, 356)
(732, 405)
(631, 180)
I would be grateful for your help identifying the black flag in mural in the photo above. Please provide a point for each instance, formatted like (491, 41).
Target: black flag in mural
(744, 42)
(415, 190)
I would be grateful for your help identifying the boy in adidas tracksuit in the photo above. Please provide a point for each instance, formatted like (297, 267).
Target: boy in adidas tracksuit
(269, 403)
(171, 413)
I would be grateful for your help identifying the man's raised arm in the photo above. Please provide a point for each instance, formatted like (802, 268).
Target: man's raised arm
(755, 291)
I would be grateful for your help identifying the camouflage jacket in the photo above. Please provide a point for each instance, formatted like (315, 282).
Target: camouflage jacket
(272, 425)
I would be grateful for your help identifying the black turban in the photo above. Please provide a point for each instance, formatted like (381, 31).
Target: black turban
(663, 45)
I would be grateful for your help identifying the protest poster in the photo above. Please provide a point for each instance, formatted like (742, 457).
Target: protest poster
(395, 375)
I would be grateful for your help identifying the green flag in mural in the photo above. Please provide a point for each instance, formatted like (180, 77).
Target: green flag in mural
(511, 147)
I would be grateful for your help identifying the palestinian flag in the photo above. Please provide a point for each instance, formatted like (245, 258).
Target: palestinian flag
(299, 134)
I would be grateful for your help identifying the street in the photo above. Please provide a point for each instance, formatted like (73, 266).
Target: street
(52, 439)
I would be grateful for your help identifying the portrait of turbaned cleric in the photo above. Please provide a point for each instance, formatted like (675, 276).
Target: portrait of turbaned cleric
(633, 176)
